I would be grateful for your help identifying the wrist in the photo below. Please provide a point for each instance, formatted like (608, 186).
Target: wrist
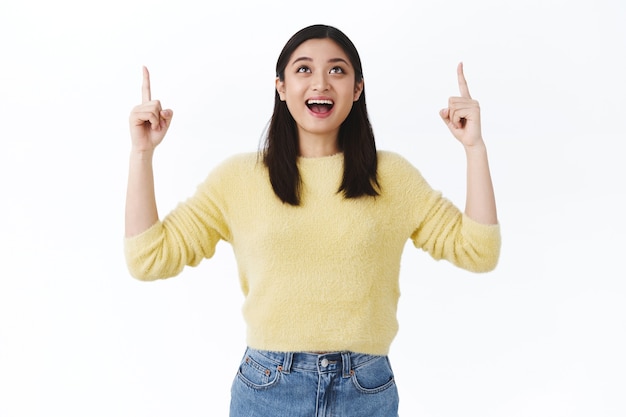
(144, 155)
(477, 147)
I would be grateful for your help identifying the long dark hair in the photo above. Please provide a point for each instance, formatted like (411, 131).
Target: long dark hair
(356, 137)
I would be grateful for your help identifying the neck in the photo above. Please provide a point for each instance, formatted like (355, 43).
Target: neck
(318, 146)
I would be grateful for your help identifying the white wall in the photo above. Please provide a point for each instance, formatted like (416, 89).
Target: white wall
(543, 335)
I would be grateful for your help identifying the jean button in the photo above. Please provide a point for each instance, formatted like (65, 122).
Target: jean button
(324, 363)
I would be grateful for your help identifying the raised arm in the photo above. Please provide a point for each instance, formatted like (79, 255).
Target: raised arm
(462, 116)
(148, 125)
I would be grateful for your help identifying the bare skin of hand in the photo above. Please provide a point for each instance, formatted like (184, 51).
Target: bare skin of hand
(148, 125)
(462, 116)
(148, 121)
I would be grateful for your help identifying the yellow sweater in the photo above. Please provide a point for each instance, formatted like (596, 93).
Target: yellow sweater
(322, 276)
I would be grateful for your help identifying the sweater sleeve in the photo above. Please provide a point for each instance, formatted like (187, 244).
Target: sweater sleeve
(441, 229)
(188, 234)
(449, 234)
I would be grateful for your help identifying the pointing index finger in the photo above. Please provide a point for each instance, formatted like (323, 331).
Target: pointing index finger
(145, 87)
(462, 82)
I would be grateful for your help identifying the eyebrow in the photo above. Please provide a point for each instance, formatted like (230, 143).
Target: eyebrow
(332, 60)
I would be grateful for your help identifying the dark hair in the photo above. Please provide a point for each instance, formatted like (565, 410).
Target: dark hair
(356, 137)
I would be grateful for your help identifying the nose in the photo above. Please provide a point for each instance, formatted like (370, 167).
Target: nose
(319, 82)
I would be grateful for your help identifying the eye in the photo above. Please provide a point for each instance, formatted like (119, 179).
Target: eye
(303, 69)
(336, 70)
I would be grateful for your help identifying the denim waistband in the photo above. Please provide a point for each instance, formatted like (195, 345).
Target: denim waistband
(314, 362)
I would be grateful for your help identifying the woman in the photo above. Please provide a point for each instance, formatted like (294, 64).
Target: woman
(318, 221)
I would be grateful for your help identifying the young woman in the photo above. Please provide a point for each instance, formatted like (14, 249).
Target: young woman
(318, 221)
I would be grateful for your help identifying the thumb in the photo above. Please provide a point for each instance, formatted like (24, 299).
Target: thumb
(445, 115)
(166, 117)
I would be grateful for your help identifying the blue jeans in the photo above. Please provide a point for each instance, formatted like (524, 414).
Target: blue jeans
(341, 384)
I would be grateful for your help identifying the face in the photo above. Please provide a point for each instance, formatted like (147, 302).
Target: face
(319, 89)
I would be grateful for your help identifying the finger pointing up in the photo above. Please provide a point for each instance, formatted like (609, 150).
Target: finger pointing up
(462, 82)
(145, 87)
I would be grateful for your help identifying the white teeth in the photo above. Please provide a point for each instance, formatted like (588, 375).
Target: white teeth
(329, 102)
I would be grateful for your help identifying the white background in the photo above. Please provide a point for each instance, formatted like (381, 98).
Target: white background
(542, 335)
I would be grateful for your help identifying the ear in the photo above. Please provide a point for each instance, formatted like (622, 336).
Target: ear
(280, 88)
(358, 89)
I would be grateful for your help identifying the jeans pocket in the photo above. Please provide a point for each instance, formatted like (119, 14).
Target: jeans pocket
(258, 372)
(373, 376)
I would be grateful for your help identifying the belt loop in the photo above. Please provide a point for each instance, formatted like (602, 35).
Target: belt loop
(287, 362)
(347, 366)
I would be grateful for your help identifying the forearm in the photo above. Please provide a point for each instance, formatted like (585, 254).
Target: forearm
(480, 204)
(141, 208)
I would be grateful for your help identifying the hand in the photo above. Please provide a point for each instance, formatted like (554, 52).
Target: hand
(148, 121)
(463, 114)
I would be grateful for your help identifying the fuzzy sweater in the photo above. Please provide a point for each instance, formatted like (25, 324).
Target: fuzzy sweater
(323, 276)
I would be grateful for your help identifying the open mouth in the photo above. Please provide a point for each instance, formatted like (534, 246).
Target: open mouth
(320, 106)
